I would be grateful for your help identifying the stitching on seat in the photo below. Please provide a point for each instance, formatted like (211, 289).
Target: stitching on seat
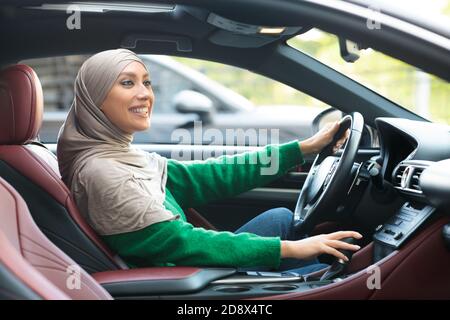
(85, 275)
(33, 99)
(47, 169)
(71, 245)
(61, 261)
(103, 249)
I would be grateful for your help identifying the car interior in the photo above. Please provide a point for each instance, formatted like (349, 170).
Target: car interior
(390, 181)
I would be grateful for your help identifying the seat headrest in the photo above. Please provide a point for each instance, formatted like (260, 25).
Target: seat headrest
(21, 104)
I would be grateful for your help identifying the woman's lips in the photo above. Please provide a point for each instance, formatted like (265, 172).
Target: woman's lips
(138, 111)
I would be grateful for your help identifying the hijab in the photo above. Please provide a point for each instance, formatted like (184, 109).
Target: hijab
(117, 187)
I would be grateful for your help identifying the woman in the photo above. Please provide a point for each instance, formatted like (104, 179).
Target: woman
(135, 200)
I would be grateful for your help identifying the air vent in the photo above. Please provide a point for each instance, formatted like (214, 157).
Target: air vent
(406, 177)
(398, 175)
(414, 183)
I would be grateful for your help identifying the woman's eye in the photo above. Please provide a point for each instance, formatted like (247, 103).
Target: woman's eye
(127, 82)
(147, 83)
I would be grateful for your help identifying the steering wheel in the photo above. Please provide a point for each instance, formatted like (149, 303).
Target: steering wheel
(328, 179)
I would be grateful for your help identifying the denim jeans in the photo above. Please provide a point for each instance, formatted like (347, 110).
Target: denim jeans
(278, 223)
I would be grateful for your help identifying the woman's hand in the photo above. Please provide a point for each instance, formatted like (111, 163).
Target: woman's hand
(322, 138)
(311, 247)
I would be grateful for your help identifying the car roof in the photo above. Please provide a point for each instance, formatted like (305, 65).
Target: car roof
(196, 28)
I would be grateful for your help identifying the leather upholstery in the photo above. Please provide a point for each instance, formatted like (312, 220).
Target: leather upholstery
(21, 102)
(33, 258)
(21, 109)
(42, 174)
(420, 270)
(163, 273)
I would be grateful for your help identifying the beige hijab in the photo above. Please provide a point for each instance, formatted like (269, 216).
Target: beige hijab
(117, 188)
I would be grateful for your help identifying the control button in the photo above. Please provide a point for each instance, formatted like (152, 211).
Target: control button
(379, 228)
(398, 236)
(398, 222)
(406, 217)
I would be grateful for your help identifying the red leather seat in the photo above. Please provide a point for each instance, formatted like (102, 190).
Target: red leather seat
(33, 171)
(32, 259)
(31, 267)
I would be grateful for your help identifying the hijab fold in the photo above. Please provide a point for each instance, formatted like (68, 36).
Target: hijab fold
(117, 188)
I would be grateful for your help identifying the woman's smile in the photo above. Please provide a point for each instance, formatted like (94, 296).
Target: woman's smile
(140, 111)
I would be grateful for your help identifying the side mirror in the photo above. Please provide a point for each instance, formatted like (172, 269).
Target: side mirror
(369, 137)
(189, 101)
(327, 115)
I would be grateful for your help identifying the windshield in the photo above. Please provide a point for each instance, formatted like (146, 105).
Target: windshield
(411, 88)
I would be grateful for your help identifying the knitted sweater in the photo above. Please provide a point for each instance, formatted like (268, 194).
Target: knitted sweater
(195, 183)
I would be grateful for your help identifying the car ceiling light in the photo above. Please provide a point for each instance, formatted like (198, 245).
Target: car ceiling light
(100, 7)
(248, 29)
(270, 30)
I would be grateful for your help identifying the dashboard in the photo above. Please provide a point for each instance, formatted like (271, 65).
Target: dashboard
(416, 158)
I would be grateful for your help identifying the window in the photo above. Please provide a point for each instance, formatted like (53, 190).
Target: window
(242, 104)
(405, 85)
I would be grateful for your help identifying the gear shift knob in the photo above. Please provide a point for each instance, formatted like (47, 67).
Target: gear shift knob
(339, 266)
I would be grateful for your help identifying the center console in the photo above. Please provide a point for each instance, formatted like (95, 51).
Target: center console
(399, 228)
(200, 283)
(394, 243)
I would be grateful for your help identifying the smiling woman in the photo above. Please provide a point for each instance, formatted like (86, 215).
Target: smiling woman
(133, 93)
(139, 203)
(134, 199)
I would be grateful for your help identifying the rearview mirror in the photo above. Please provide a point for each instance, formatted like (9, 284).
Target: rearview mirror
(350, 51)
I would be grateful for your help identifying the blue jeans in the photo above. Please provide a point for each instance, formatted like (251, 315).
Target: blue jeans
(278, 223)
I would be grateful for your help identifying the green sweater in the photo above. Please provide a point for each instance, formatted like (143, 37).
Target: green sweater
(194, 183)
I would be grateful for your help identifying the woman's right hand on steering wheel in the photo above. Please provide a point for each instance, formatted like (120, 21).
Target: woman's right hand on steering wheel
(311, 247)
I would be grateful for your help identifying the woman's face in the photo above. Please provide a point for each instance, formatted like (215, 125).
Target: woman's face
(129, 103)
